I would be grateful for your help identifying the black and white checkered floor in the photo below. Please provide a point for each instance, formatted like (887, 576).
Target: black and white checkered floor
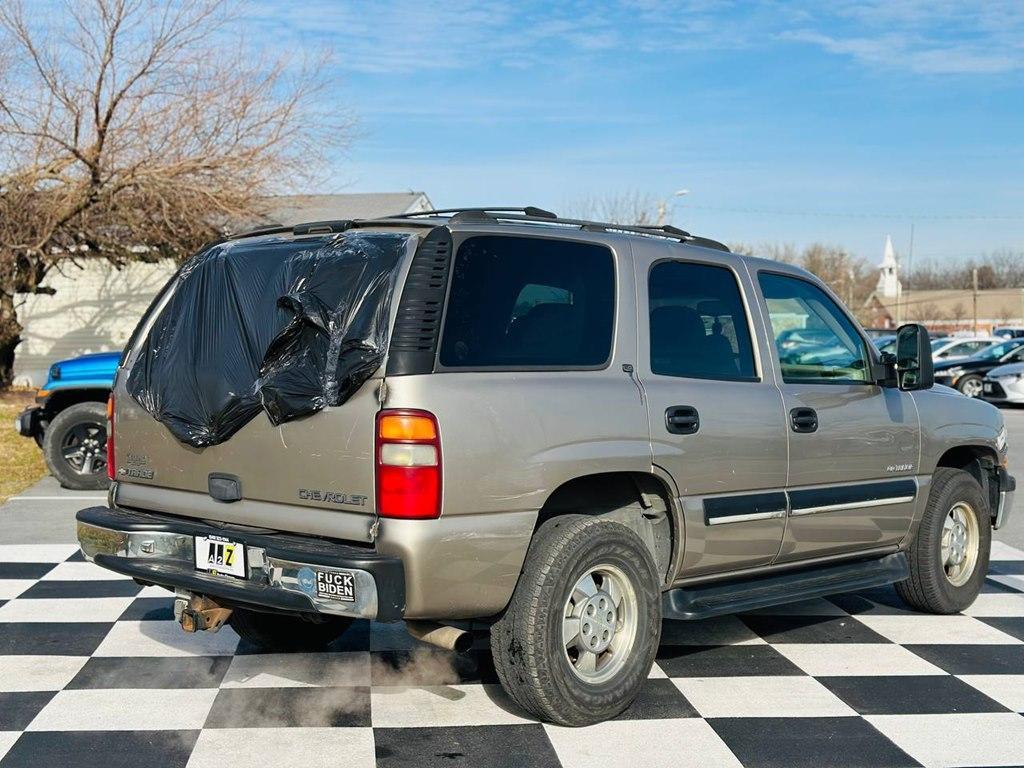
(94, 672)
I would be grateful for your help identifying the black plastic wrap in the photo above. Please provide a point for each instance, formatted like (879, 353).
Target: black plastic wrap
(274, 324)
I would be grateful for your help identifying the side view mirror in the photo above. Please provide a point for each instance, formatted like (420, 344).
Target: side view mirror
(914, 368)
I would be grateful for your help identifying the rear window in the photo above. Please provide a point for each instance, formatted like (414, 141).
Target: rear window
(524, 302)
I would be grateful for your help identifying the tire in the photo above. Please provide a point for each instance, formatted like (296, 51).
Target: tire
(533, 663)
(75, 447)
(970, 385)
(286, 633)
(935, 586)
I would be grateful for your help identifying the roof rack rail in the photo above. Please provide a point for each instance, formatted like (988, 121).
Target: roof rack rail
(650, 230)
(529, 210)
(273, 229)
(529, 214)
(533, 214)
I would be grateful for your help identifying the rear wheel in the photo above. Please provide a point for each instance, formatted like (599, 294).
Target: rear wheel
(282, 632)
(949, 554)
(580, 633)
(75, 447)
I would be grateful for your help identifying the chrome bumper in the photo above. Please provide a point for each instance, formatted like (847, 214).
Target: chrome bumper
(282, 580)
(1003, 511)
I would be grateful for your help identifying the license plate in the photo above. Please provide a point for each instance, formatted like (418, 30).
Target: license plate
(336, 586)
(986, 387)
(215, 554)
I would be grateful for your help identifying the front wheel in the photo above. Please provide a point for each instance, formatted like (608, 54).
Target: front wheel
(949, 555)
(970, 386)
(75, 447)
(580, 633)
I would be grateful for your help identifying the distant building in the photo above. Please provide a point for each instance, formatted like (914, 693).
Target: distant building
(889, 285)
(946, 310)
(95, 306)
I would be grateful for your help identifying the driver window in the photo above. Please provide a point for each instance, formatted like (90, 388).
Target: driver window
(814, 339)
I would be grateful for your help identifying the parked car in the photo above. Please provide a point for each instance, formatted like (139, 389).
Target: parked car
(69, 419)
(958, 347)
(885, 343)
(1008, 332)
(563, 430)
(967, 374)
(1004, 384)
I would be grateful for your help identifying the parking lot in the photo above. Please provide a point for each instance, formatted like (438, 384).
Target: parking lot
(94, 672)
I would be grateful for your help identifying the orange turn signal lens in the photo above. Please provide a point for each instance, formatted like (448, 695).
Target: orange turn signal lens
(406, 426)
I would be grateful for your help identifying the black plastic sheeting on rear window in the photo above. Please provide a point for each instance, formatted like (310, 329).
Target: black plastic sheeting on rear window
(279, 325)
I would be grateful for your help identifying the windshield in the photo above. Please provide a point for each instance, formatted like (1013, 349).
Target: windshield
(936, 343)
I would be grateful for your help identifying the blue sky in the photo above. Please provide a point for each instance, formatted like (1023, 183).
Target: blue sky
(787, 121)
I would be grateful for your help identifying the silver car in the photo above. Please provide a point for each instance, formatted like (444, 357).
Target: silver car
(562, 431)
(1004, 384)
(956, 348)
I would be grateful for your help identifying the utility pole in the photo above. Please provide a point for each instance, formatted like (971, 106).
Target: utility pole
(910, 261)
(974, 280)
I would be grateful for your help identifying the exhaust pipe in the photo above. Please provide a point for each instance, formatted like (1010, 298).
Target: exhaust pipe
(441, 635)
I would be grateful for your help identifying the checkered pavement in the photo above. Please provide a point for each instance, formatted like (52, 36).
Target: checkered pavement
(94, 672)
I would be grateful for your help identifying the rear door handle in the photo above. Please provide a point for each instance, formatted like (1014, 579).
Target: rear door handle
(803, 420)
(682, 419)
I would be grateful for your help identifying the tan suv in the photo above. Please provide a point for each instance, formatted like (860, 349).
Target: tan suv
(570, 430)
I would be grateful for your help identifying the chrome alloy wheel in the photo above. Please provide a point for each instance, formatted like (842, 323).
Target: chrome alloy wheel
(599, 624)
(972, 387)
(960, 543)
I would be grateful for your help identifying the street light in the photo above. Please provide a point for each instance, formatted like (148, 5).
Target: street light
(663, 205)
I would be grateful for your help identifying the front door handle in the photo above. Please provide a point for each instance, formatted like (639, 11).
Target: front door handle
(803, 420)
(682, 419)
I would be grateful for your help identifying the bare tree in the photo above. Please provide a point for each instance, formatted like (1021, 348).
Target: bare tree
(134, 132)
(1000, 269)
(626, 208)
(958, 313)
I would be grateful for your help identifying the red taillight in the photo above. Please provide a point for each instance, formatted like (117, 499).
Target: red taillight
(408, 459)
(110, 437)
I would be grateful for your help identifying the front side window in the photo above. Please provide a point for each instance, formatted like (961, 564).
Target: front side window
(698, 326)
(815, 341)
(529, 302)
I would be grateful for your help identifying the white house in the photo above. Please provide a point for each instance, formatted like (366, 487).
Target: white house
(96, 306)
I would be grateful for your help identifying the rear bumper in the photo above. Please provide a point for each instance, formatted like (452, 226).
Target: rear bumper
(160, 549)
(28, 422)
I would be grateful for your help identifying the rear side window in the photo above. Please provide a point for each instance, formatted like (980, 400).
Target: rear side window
(524, 302)
(698, 324)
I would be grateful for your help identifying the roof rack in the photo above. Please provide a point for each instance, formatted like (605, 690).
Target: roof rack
(529, 214)
(529, 210)
(532, 214)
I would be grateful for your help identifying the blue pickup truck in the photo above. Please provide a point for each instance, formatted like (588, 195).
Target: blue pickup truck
(69, 420)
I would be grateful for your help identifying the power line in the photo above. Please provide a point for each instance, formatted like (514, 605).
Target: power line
(839, 215)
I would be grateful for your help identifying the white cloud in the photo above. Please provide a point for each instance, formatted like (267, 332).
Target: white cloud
(408, 36)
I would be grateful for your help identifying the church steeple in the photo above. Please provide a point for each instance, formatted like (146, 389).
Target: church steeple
(889, 285)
